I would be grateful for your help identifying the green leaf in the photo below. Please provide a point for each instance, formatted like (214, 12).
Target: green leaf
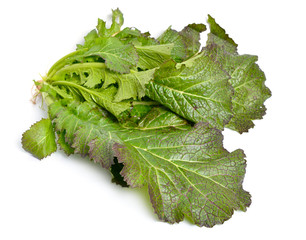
(40, 139)
(118, 57)
(117, 22)
(178, 52)
(160, 117)
(152, 56)
(55, 91)
(188, 173)
(186, 42)
(136, 37)
(86, 129)
(218, 35)
(91, 74)
(199, 92)
(247, 79)
(102, 97)
(131, 85)
(191, 36)
(90, 38)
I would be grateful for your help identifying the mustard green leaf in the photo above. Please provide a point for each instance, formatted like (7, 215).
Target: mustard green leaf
(39, 140)
(91, 74)
(152, 56)
(178, 52)
(151, 111)
(136, 37)
(199, 92)
(247, 79)
(86, 129)
(160, 117)
(118, 57)
(117, 22)
(188, 173)
(89, 39)
(218, 35)
(131, 85)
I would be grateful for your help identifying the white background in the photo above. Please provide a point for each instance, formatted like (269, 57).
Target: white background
(72, 198)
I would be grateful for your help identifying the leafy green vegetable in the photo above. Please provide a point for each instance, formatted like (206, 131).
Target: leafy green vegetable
(200, 93)
(247, 78)
(40, 139)
(188, 173)
(152, 110)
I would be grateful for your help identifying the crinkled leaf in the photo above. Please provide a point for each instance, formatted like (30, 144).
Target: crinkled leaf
(55, 91)
(188, 173)
(247, 79)
(86, 129)
(131, 85)
(40, 139)
(102, 97)
(91, 74)
(199, 92)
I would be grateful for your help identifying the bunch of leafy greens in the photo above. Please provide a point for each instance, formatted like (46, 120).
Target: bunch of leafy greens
(152, 111)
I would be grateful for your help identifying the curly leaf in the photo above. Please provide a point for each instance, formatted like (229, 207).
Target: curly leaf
(91, 74)
(131, 85)
(118, 57)
(86, 129)
(117, 22)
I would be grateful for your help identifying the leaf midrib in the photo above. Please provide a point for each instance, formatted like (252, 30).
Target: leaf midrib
(178, 168)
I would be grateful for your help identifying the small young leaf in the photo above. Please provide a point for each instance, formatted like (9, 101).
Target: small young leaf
(40, 139)
(117, 22)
